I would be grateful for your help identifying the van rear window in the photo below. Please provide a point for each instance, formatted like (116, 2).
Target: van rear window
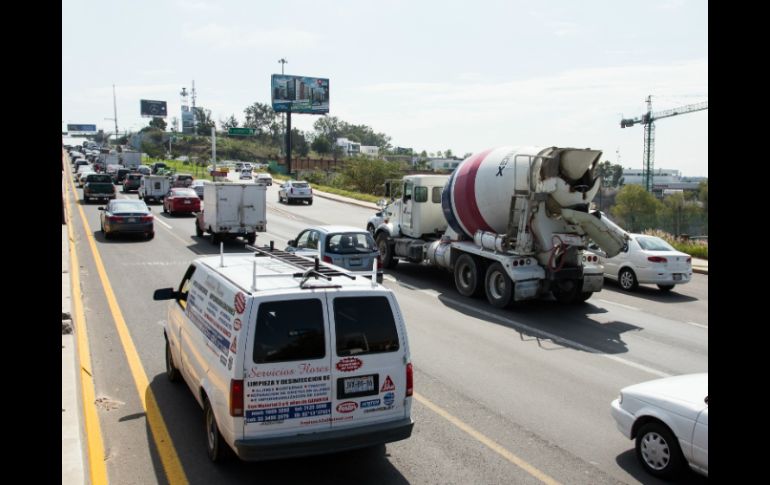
(289, 330)
(364, 325)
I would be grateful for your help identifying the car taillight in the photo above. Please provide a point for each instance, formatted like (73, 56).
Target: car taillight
(327, 259)
(409, 380)
(115, 219)
(291, 190)
(656, 259)
(236, 397)
(689, 260)
(147, 218)
(311, 191)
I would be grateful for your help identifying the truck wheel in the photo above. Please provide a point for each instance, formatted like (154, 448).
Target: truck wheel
(658, 450)
(386, 251)
(215, 239)
(469, 275)
(627, 280)
(569, 291)
(498, 286)
(172, 373)
(251, 238)
(198, 230)
(310, 202)
(215, 445)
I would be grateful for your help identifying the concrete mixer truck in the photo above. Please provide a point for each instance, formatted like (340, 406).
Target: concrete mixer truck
(510, 222)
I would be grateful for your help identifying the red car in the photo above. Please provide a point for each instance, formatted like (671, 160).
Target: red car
(181, 200)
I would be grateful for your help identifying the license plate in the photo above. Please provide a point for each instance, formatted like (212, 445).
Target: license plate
(132, 219)
(355, 261)
(677, 277)
(359, 385)
(186, 201)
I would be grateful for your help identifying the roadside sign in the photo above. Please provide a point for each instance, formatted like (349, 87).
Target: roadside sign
(241, 131)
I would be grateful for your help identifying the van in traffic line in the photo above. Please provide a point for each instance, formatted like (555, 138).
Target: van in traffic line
(288, 357)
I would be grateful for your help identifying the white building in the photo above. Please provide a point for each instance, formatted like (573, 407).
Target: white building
(448, 164)
(370, 151)
(660, 176)
(349, 148)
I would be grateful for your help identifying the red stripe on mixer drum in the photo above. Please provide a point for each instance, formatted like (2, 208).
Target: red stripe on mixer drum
(466, 208)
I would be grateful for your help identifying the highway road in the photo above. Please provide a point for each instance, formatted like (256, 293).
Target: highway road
(520, 395)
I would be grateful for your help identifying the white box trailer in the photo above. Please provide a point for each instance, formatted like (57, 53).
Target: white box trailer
(232, 210)
(154, 188)
(131, 159)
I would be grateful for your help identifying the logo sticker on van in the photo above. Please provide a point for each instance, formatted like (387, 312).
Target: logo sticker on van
(388, 399)
(349, 364)
(388, 385)
(347, 407)
(240, 302)
(237, 324)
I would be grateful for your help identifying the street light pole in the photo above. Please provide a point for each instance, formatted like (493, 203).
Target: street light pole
(283, 62)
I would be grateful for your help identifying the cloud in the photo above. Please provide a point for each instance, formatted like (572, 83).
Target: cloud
(199, 5)
(227, 37)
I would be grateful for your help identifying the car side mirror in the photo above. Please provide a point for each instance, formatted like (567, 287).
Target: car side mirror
(100, 208)
(292, 243)
(165, 294)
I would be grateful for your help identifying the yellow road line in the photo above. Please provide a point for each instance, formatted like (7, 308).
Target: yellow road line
(171, 463)
(487, 442)
(95, 444)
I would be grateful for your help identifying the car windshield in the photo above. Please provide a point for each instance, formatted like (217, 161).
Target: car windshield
(128, 206)
(300, 185)
(652, 243)
(350, 243)
(184, 193)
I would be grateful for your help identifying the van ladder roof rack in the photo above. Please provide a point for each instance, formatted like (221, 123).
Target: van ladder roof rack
(309, 267)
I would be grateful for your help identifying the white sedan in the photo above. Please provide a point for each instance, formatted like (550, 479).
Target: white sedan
(669, 418)
(648, 260)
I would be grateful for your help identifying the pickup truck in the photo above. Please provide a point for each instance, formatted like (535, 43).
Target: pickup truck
(98, 186)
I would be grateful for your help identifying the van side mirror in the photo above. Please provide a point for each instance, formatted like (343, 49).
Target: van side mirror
(165, 294)
(292, 243)
(100, 208)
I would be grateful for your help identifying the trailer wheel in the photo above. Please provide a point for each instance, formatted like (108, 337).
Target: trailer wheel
(386, 251)
(498, 286)
(469, 275)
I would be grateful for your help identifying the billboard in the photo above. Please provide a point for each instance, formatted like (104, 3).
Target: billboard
(155, 109)
(91, 128)
(301, 94)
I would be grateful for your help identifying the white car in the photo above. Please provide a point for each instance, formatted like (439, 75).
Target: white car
(197, 186)
(648, 260)
(296, 191)
(264, 179)
(669, 418)
(245, 175)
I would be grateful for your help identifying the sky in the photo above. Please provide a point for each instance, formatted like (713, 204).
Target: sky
(433, 75)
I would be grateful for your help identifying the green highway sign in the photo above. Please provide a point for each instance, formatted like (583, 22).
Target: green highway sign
(241, 131)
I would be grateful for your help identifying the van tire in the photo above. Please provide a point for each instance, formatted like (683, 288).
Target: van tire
(215, 445)
(171, 371)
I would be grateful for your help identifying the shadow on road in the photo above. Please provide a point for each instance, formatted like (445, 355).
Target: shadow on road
(543, 319)
(184, 420)
(650, 293)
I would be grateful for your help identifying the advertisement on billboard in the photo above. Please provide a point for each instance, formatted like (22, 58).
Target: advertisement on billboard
(301, 94)
(154, 109)
(88, 128)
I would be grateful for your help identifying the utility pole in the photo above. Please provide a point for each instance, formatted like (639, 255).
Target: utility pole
(283, 62)
(115, 113)
(195, 120)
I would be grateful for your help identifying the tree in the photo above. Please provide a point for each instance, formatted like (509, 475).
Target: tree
(604, 170)
(439, 154)
(299, 143)
(203, 120)
(703, 195)
(636, 208)
(321, 145)
(369, 175)
(329, 127)
(448, 154)
(617, 175)
(159, 123)
(230, 122)
(261, 117)
(467, 155)
(424, 154)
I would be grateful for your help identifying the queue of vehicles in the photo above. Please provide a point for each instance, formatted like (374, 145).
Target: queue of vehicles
(460, 223)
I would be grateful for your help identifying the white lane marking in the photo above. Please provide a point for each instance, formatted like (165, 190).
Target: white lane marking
(157, 219)
(628, 307)
(555, 338)
(697, 325)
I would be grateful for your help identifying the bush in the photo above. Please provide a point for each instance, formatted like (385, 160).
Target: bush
(696, 249)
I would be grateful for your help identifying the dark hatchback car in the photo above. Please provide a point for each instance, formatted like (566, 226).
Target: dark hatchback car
(131, 182)
(120, 175)
(126, 216)
(98, 186)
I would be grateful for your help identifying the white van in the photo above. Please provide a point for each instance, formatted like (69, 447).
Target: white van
(288, 357)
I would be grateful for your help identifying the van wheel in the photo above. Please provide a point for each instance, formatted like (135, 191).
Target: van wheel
(469, 275)
(498, 286)
(215, 445)
(171, 371)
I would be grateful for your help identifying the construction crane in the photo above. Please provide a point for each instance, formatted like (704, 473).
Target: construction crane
(648, 120)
